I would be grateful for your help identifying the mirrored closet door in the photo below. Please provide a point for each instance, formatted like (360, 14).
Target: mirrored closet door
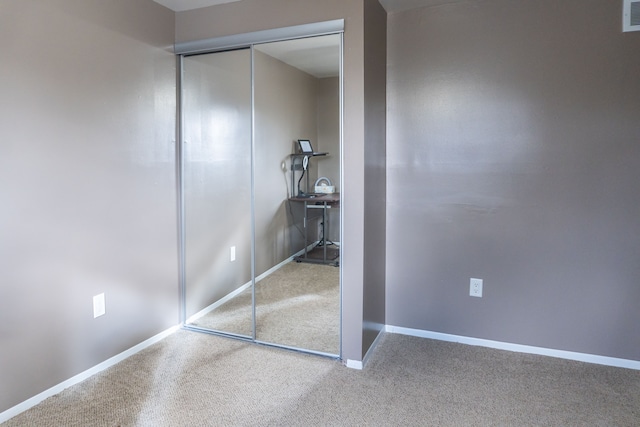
(216, 180)
(297, 96)
(261, 217)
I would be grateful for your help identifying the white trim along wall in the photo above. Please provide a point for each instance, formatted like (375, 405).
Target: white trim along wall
(29, 403)
(562, 354)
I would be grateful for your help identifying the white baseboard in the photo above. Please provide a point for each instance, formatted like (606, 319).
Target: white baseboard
(519, 348)
(283, 263)
(372, 348)
(208, 309)
(29, 403)
(354, 364)
(359, 365)
(242, 288)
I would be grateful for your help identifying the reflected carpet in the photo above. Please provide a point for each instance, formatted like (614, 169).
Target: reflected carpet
(298, 305)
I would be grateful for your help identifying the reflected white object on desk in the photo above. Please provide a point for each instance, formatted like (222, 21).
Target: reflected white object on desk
(323, 185)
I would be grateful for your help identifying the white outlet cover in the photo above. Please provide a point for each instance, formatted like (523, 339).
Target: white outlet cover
(99, 308)
(232, 253)
(475, 288)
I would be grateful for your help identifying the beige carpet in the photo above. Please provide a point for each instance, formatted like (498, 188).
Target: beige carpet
(298, 306)
(192, 379)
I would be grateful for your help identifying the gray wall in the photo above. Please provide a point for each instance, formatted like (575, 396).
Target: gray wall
(87, 179)
(255, 15)
(375, 109)
(513, 157)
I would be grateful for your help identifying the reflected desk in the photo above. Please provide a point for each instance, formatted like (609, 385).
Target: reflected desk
(321, 253)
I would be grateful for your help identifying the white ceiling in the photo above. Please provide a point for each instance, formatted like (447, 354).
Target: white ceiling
(389, 5)
(318, 56)
(180, 5)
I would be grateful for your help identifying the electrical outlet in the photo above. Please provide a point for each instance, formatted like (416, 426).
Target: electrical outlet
(99, 308)
(232, 253)
(475, 287)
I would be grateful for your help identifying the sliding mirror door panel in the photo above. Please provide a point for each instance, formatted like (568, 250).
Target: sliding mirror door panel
(217, 123)
(296, 96)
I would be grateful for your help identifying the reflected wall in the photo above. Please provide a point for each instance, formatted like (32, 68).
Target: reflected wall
(285, 110)
(216, 101)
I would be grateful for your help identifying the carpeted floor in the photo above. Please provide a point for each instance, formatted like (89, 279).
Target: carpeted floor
(298, 305)
(192, 379)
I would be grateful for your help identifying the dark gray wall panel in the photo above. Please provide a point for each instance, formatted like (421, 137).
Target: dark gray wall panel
(514, 157)
(375, 109)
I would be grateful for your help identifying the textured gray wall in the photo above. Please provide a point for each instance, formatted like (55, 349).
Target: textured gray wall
(514, 156)
(87, 180)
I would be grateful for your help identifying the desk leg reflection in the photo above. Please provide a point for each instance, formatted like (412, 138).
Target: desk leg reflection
(324, 251)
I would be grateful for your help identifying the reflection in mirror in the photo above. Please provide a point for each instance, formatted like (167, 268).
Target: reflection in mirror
(297, 96)
(216, 106)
